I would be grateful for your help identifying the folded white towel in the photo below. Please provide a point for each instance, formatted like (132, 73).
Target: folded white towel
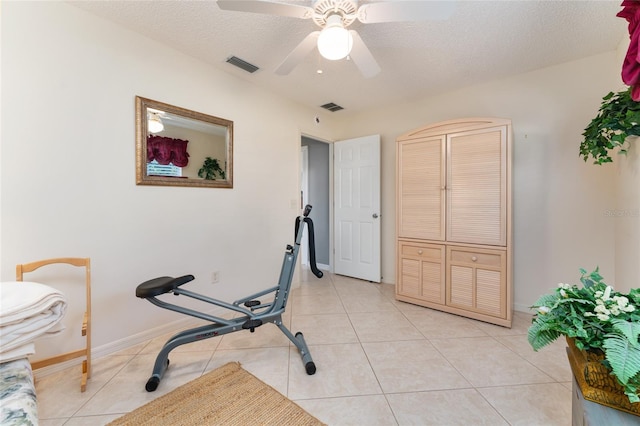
(28, 310)
(23, 351)
(21, 299)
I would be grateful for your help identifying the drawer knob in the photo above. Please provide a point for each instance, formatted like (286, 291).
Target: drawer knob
(419, 251)
(474, 258)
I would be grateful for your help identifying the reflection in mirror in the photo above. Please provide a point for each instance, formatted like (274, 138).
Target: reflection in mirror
(179, 147)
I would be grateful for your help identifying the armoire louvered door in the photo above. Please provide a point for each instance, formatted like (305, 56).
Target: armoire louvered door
(421, 209)
(476, 187)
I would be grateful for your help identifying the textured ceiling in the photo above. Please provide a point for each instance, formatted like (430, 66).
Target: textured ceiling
(482, 41)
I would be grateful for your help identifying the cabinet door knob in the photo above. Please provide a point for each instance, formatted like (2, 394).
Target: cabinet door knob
(474, 258)
(419, 251)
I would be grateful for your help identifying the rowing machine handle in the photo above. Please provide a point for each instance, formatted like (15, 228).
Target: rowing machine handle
(312, 249)
(312, 245)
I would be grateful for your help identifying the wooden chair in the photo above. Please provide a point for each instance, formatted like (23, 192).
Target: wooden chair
(86, 322)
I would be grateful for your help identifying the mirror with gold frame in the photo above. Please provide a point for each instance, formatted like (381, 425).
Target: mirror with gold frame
(179, 147)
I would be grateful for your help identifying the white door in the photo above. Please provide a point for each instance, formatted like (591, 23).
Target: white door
(357, 207)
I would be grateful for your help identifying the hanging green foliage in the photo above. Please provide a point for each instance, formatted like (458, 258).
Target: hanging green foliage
(617, 119)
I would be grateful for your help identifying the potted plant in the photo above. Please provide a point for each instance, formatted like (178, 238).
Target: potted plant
(210, 168)
(617, 119)
(598, 320)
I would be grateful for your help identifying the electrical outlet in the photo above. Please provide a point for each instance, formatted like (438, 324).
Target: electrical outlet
(215, 277)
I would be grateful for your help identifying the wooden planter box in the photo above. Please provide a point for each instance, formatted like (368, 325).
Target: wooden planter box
(596, 382)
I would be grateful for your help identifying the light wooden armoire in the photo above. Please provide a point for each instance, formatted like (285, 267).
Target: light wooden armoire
(453, 211)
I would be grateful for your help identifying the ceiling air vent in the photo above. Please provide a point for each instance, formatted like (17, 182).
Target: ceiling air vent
(332, 107)
(234, 60)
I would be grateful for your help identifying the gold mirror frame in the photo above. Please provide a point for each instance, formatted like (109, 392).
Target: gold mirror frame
(183, 120)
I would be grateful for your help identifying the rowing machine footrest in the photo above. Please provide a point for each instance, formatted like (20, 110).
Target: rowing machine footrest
(251, 303)
(251, 325)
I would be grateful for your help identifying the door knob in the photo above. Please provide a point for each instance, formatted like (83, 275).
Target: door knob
(375, 215)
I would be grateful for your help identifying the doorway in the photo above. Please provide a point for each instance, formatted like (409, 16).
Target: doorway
(315, 176)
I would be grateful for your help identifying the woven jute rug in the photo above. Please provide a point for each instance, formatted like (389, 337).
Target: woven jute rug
(228, 395)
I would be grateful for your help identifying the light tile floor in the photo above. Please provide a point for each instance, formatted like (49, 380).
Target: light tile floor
(380, 362)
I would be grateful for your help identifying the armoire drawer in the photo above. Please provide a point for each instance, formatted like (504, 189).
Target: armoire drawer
(422, 251)
(476, 257)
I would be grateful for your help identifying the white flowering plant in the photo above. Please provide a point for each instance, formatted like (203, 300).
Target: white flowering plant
(599, 319)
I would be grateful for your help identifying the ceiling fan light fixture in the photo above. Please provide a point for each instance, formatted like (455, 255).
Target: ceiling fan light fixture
(154, 124)
(335, 41)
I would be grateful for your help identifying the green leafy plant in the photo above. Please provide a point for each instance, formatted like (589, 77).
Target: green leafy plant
(599, 319)
(617, 119)
(210, 168)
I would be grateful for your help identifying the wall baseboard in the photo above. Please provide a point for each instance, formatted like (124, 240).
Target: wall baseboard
(522, 308)
(320, 266)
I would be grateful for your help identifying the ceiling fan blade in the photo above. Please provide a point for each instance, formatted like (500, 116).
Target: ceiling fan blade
(405, 11)
(298, 54)
(362, 57)
(267, 7)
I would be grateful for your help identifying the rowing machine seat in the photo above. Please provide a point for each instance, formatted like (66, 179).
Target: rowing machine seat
(161, 285)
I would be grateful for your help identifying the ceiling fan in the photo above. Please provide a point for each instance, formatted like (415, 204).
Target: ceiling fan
(334, 41)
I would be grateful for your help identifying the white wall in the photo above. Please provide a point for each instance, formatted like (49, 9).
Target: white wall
(559, 201)
(626, 214)
(69, 80)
